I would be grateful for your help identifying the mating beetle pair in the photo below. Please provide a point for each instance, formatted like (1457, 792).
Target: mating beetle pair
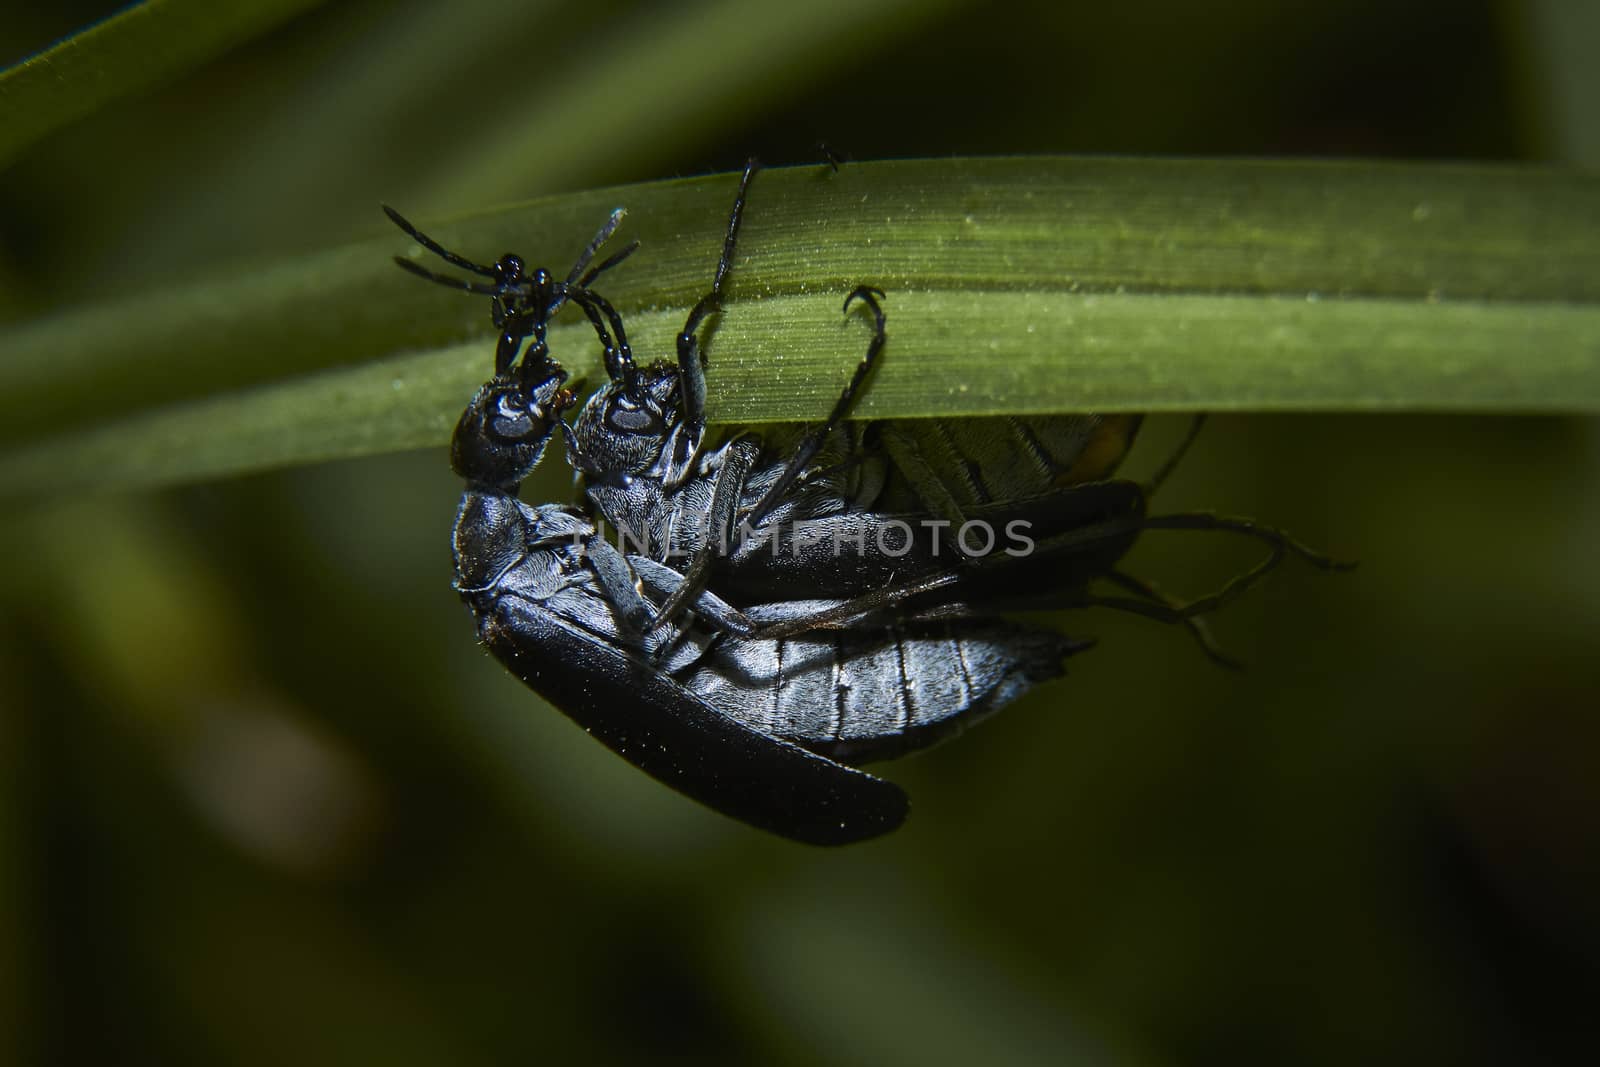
(752, 677)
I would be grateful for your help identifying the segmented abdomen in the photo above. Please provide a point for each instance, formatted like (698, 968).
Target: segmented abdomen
(861, 696)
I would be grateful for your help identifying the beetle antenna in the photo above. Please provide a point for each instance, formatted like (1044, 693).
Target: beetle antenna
(434, 246)
(444, 279)
(633, 246)
(601, 237)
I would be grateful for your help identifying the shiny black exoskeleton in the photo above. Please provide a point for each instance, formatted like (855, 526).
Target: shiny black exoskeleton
(503, 432)
(788, 514)
(755, 713)
(638, 443)
(794, 663)
(521, 303)
(740, 710)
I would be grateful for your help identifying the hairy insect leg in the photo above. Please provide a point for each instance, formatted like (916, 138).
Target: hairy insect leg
(616, 580)
(691, 369)
(725, 496)
(735, 218)
(772, 621)
(510, 343)
(1281, 541)
(792, 618)
(619, 357)
(662, 581)
(766, 622)
(1279, 545)
(841, 407)
(1193, 623)
(520, 313)
(783, 619)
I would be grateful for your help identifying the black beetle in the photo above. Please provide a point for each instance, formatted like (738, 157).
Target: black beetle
(792, 656)
(521, 303)
(754, 713)
(793, 512)
(639, 445)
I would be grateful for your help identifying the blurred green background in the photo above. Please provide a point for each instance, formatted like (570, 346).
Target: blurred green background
(266, 801)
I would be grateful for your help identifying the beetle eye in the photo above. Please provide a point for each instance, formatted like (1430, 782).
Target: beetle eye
(512, 421)
(512, 429)
(624, 417)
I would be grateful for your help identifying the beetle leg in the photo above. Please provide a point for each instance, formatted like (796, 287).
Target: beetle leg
(780, 620)
(619, 584)
(691, 364)
(1193, 623)
(662, 581)
(1280, 541)
(841, 407)
(1153, 604)
(790, 618)
(719, 531)
(618, 356)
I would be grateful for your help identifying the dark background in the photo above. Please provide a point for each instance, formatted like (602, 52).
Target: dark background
(266, 802)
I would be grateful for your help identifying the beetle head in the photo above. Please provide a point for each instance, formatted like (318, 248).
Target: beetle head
(502, 433)
(625, 431)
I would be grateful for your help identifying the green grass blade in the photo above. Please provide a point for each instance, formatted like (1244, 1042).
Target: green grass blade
(133, 50)
(1020, 285)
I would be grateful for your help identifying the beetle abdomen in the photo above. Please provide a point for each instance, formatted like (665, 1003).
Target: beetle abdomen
(859, 696)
